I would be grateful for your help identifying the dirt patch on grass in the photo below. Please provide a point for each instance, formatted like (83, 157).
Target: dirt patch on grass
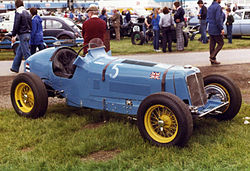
(101, 155)
(26, 149)
(239, 73)
(93, 125)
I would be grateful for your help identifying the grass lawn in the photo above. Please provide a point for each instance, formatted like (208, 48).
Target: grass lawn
(125, 46)
(67, 139)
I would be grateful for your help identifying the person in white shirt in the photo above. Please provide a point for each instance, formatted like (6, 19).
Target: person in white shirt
(165, 23)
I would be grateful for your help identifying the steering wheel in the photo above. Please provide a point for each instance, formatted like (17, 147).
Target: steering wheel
(85, 46)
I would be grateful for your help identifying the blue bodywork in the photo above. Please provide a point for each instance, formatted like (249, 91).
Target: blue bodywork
(114, 84)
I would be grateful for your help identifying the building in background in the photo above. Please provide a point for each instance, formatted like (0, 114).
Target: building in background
(79, 4)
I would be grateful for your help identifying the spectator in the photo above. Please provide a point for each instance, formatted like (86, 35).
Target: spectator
(215, 30)
(36, 36)
(235, 7)
(179, 20)
(128, 16)
(116, 23)
(79, 16)
(165, 23)
(103, 15)
(156, 30)
(160, 12)
(94, 27)
(22, 28)
(71, 15)
(66, 14)
(229, 25)
(147, 23)
(203, 21)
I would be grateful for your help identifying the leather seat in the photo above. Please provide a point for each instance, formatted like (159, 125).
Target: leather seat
(62, 62)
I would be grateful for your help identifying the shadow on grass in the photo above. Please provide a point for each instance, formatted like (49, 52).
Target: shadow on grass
(92, 115)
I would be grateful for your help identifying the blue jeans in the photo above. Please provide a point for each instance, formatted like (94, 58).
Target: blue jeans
(229, 33)
(144, 29)
(22, 51)
(156, 39)
(203, 31)
(33, 48)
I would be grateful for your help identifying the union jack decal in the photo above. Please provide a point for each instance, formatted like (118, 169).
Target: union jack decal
(155, 75)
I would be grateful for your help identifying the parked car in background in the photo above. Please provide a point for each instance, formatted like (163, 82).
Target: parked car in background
(241, 25)
(193, 27)
(7, 20)
(61, 28)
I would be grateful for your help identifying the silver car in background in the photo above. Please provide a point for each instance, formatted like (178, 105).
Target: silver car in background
(241, 25)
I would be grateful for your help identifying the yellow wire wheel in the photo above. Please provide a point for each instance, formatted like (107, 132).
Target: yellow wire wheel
(161, 123)
(29, 95)
(24, 97)
(164, 119)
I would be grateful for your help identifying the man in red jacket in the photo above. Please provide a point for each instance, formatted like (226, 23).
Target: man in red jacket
(94, 27)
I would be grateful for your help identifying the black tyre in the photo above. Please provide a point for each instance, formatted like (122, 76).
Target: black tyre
(29, 95)
(6, 38)
(185, 35)
(164, 120)
(137, 38)
(14, 47)
(149, 37)
(222, 88)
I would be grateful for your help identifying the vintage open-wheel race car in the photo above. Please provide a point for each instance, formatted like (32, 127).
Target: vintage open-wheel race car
(165, 98)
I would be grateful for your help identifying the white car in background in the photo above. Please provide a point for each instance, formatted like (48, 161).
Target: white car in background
(241, 25)
(7, 20)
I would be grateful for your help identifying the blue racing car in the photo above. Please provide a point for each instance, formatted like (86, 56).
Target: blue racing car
(165, 98)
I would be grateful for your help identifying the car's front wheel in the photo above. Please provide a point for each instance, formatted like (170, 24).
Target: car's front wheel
(223, 89)
(29, 95)
(164, 119)
(137, 38)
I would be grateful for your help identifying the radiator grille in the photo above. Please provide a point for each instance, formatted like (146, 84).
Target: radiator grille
(196, 89)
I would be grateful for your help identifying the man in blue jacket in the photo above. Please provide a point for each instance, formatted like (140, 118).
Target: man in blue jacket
(36, 36)
(22, 28)
(215, 30)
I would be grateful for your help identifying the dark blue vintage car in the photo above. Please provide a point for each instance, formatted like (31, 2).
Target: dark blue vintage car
(165, 98)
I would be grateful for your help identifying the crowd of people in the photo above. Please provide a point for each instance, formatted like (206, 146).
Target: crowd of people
(30, 32)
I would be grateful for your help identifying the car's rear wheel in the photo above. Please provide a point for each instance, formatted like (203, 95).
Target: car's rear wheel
(29, 95)
(6, 38)
(223, 89)
(164, 119)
